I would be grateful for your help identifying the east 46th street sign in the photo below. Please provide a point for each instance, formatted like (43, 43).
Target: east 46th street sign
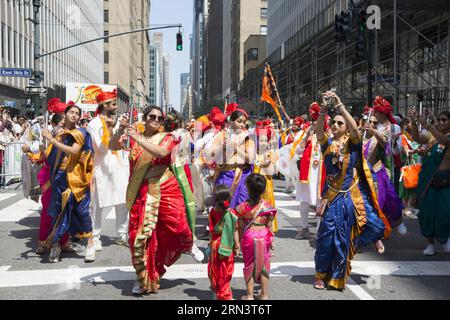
(15, 72)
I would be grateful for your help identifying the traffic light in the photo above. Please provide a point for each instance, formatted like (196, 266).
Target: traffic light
(362, 23)
(179, 41)
(360, 46)
(343, 25)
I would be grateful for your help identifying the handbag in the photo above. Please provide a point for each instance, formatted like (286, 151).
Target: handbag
(410, 174)
(441, 181)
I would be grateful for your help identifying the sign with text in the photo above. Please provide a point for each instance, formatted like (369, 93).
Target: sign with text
(15, 72)
(84, 94)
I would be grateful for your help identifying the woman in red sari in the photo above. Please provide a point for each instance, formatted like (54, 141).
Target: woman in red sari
(224, 243)
(158, 229)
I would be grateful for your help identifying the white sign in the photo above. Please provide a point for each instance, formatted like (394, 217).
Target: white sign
(84, 94)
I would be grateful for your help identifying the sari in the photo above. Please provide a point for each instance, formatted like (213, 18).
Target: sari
(434, 203)
(158, 227)
(221, 260)
(70, 177)
(353, 216)
(255, 244)
(390, 203)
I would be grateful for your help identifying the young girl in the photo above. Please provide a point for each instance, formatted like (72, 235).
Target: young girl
(255, 222)
(224, 243)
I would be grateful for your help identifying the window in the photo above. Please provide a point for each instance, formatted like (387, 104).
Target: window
(252, 54)
(9, 43)
(263, 13)
(106, 57)
(106, 75)
(3, 38)
(106, 33)
(263, 30)
(106, 16)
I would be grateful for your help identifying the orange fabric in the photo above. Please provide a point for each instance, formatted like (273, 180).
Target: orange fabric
(411, 175)
(269, 91)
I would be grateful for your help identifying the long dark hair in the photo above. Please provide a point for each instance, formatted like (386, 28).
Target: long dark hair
(236, 115)
(221, 193)
(70, 106)
(173, 121)
(57, 117)
(256, 185)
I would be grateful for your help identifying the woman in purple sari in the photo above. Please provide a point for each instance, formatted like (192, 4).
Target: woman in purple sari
(375, 150)
(234, 151)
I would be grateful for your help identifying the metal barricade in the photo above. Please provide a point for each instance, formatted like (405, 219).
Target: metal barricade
(11, 162)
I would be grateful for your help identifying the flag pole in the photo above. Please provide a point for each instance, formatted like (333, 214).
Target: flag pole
(278, 96)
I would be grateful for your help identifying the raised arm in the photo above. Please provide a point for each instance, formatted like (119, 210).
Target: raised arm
(351, 123)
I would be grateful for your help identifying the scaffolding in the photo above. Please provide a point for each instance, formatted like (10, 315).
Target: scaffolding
(411, 57)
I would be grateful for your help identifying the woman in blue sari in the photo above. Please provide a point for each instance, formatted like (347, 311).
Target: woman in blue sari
(433, 190)
(70, 157)
(351, 216)
(234, 153)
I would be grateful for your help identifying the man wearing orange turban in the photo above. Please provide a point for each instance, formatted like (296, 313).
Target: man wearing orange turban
(111, 171)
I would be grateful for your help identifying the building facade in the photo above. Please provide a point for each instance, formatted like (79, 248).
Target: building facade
(226, 48)
(184, 82)
(127, 57)
(63, 23)
(154, 77)
(166, 82)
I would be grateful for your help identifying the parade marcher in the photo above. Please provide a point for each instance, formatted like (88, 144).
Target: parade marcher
(158, 228)
(351, 215)
(374, 150)
(70, 157)
(266, 158)
(224, 243)
(255, 223)
(235, 152)
(312, 172)
(111, 171)
(433, 191)
(45, 221)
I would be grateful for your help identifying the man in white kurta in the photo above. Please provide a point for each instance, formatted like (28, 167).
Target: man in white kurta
(111, 172)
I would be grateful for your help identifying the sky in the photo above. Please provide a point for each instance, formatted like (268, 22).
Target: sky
(174, 12)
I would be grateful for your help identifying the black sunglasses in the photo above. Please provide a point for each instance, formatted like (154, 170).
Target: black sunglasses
(154, 117)
(375, 123)
(442, 120)
(340, 123)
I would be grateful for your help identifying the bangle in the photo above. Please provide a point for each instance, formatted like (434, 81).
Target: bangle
(339, 105)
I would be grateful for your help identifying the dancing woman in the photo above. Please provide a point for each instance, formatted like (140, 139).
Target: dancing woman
(158, 229)
(235, 151)
(433, 191)
(71, 165)
(351, 214)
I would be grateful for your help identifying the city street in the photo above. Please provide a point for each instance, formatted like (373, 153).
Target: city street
(402, 273)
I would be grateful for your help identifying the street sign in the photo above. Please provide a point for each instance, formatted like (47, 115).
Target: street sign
(31, 82)
(35, 90)
(15, 72)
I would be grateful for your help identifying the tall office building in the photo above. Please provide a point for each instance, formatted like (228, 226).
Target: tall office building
(184, 81)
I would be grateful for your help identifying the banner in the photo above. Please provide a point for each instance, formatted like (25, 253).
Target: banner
(84, 94)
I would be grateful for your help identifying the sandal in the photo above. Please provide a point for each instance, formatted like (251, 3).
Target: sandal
(247, 297)
(319, 284)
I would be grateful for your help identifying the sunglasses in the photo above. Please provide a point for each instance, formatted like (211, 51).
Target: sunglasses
(339, 123)
(154, 117)
(375, 123)
(442, 120)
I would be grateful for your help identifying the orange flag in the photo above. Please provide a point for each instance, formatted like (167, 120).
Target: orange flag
(269, 91)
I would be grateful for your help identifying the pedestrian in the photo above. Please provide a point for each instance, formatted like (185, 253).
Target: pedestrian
(234, 152)
(224, 243)
(433, 190)
(111, 171)
(311, 180)
(255, 222)
(71, 164)
(351, 216)
(375, 152)
(158, 228)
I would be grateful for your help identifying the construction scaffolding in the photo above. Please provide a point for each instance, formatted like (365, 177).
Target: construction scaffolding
(411, 57)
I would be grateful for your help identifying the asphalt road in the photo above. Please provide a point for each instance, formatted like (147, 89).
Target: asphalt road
(402, 273)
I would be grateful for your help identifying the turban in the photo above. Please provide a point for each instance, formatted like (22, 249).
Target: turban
(380, 104)
(298, 121)
(104, 97)
(203, 123)
(55, 105)
(217, 117)
(232, 107)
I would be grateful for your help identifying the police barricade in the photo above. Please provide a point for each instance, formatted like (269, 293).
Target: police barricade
(11, 162)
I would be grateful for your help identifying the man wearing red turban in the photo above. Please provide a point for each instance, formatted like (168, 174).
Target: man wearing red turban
(111, 170)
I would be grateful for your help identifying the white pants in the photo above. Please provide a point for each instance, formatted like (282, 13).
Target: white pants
(121, 219)
(304, 214)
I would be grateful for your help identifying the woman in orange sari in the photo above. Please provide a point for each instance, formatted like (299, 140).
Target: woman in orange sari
(158, 229)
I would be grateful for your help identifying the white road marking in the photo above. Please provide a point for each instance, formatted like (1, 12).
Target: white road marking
(24, 278)
(286, 203)
(358, 290)
(18, 210)
(4, 196)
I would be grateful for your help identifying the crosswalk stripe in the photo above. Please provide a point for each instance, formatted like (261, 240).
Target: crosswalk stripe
(18, 210)
(5, 196)
(75, 274)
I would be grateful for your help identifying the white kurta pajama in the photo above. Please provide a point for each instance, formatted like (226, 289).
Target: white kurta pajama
(109, 183)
